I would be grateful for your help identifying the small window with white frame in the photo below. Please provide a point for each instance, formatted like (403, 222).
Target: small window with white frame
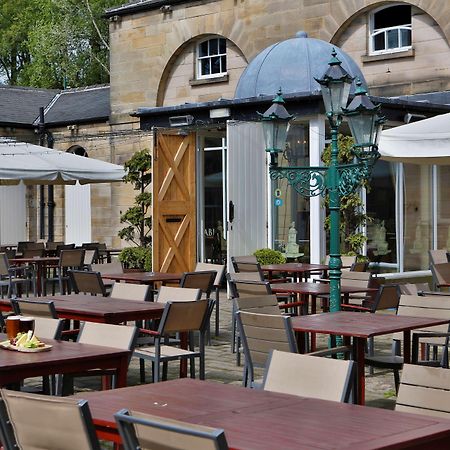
(390, 30)
(212, 58)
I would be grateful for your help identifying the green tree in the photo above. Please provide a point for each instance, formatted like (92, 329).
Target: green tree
(62, 43)
(353, 217)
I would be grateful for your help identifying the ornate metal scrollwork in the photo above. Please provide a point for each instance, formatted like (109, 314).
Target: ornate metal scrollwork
(306, 181)
(351, 176)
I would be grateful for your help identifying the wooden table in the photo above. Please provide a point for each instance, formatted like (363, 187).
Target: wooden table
(263, 420)
(294, 269)
(360, 327)
(64, 357)
(143, 277)
(99, 309)
(40, 262)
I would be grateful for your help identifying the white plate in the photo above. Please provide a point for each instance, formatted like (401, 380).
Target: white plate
(7, 345)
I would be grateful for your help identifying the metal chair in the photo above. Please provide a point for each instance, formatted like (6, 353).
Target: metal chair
(438, 256)
(309, 376)
(68, 260)
(12, 276)
(441, 275)
(47, 422)
(87, 282)
(178, 317)
(34, 308)
(139, 430)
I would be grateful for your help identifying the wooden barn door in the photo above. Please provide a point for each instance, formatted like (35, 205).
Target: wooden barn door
(174, 203)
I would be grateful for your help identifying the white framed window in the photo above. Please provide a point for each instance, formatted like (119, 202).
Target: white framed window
(211, 58)
(390, 30)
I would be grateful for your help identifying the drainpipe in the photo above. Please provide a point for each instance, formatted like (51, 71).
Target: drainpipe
(41, 131)
(50, 198)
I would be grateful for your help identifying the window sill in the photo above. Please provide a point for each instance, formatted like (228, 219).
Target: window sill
(394, 55)
(202, 81)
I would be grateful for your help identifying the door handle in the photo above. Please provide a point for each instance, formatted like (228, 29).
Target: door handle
(230, 211)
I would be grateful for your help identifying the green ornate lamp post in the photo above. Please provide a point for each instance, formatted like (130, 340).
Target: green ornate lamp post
(336, 180)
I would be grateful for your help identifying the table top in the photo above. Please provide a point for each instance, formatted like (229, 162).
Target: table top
(99, 309)
(258, 419)
(65, 356)
(142, 277)
(349, 323)
(316, 288)
(35, 259)
(294, 267)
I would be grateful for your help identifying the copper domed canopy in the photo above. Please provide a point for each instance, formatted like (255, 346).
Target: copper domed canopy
(292, 65)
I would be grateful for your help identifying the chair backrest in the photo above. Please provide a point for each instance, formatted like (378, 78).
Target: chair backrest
(246, 288)
(87, 281)
(129, 291)
(441, 274)
(434, 307)
(360, 266)
(45, 328)
(145, 431)
(90, 256)
(203, 280)
(185, 316)
(112, 267)
(413, 289)
(61, 247)
(438, 256)
(34, 308)
(309, 376)
(33, 252)
(261, 304)
(424, 390)
(50, 422)
(106, 335)
(4, 265)
(52, 245)
(72, 258)
(219, 268)
(261, 333)
(251, 276)
(387, 297)
(347, 261)
(22, 245)
(359, 276)
(178, 294)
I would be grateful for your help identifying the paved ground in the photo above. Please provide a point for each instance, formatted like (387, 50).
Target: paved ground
(221, 365)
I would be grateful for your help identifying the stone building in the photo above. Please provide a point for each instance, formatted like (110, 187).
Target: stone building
(175, 67)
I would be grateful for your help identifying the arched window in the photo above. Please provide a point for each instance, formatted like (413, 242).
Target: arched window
(78, 150)
(212, 58)
(390, 30)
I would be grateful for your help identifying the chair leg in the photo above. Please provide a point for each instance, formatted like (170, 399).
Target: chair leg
(396, 380)
(233, 329)
(217, 311)
(142, 370)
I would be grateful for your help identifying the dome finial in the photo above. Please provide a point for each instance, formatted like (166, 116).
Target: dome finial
(301, 34)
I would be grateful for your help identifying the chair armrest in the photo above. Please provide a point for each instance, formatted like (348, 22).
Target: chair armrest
(350, 307)
(332, 351)
(290, 305)
(415, 343)
(149, 332)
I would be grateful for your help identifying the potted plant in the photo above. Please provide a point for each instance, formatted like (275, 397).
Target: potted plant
(137, 219)
(267, 256)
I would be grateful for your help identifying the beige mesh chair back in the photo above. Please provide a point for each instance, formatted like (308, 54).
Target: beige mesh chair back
(246, 263)
(309, 376)
(424, 390)
(413, 289)
(177, 294)
(87, 282)
(246, 288)
(33, 252)
(249, 276)
(438, 256)
(145, 431)
(51, 423)
(45, 328)
(129, 291)
(107, 335)
(220, 271)
(261, 304)
(441, 275)
(184, 317)
(203, 280)
(347, 262)
(34, 308)
(261, 333)
(112, 267)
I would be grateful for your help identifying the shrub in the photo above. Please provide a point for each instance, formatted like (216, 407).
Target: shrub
(268, 256)
(136, 258)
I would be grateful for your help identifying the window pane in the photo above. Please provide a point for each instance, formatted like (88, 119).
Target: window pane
(213, 47)
(222, 46)
(392, 37)
(417, 221)
(215, 65)
(224, 63)
(443, 207)
(405, 38)
(203, 49)
(378, 42)
(205, 67)
(392, 17)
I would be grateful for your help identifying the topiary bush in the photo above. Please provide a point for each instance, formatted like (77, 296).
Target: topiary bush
(268, 256)
(136, 258)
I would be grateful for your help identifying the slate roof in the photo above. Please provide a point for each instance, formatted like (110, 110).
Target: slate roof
(136, 6)
(88, 104)
(20, 105)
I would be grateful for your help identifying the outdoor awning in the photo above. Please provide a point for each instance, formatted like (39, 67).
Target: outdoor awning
(33, 164)
(423, 142)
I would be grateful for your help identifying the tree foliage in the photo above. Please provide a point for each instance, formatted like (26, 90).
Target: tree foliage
(54, 43)
(353, 217)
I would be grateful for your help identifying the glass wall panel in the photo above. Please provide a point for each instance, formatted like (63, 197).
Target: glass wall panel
(418, 218)
(291, 211)
(381, 235)
(443, 207)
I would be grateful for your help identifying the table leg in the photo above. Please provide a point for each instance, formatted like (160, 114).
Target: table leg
(406, 346)
(122, 370)
(313, 311)
(360, 382)
(183, 363)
